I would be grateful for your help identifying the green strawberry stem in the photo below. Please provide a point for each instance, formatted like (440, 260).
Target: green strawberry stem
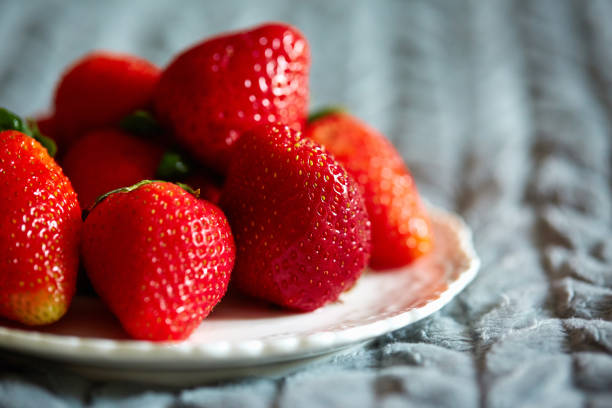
(172, 166)
(133, 187)
(47, 142)
(141, 123)
(11, 121)
(328, 110)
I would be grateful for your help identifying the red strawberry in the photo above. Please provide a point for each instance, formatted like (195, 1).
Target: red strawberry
(301, 227)
(40, 221)
(209, 187)
(107, 159)
(158, 257)
(46, 125)
(99, 90)
(401, 231)
(214, 92)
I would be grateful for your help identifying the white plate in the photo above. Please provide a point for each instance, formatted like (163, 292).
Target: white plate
(243, 336)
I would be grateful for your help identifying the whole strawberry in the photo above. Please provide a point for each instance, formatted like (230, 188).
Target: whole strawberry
(158, 257)
(401, 231)
(107, 159)
(214, 92)
(40, 221)
(301, 227)
(98, 91)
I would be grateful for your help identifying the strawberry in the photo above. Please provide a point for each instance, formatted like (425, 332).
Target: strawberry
(158, 257)
(208, 186)
(40, 221)
(46, 125)
(98, 91)
(401, 231)
(107, 159)
(301, 227)
(214, 92)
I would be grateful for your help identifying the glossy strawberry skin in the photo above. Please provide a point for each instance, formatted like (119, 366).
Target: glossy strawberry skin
(98, 91)
(40, 221)
(301, 227)
(401, 230)
(159, 258)
(107, 159)
(214, 92)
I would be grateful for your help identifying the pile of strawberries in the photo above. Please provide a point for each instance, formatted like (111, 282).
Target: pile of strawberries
(292, 208)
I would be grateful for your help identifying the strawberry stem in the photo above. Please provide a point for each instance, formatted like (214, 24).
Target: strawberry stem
(133, 187)
(11, 121)
(141, 123)
(328, 110)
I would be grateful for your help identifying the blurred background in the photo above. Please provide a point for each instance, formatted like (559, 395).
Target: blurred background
(428, 74)
(502, 110)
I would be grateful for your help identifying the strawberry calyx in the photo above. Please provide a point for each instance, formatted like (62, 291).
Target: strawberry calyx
(45, 141)
(195, 193)
(11, 121)
(326, 111)
(141, 123)
(173, 166)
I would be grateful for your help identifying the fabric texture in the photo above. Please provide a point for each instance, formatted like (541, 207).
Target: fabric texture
(502, 109)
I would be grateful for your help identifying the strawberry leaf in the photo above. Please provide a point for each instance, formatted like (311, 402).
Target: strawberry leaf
(141, 123)
(172, 166)
(46, 141)
(11, 121)
(321, 113)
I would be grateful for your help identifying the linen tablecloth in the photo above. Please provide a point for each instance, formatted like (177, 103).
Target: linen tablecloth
(502, 109)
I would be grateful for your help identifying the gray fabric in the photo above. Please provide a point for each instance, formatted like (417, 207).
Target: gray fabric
(501, 108)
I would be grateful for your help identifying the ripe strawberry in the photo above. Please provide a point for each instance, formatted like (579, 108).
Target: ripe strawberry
(98, 91)
(40, 221)
(212, 93)
(401, 231)
(209, 187)
(46, 125)
(301, 227)
(158, 257)
(107, 159)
